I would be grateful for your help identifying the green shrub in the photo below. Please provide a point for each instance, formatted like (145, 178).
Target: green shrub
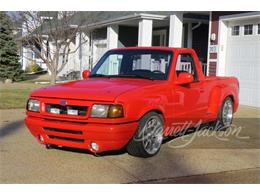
(10, 67)
(33, 67)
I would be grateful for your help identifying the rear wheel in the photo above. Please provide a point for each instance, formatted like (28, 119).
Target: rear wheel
(149, 136)
(225, 116)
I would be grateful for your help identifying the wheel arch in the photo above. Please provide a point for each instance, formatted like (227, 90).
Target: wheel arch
(231, 96)
(217, 96)
(156, 110)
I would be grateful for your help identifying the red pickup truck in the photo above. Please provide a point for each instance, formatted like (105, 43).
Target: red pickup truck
(130, 99)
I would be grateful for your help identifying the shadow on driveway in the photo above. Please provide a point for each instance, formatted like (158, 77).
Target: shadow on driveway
(10, 128)
(84, 151)
(118, 152)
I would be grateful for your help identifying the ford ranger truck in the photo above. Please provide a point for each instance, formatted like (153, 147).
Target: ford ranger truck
(133, 99)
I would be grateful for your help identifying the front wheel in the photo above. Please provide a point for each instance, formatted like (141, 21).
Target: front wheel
(149, 136)
(225, 116)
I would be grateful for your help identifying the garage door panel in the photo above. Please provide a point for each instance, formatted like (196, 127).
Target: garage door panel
(243, 62)
(249, 97)
(243, 71)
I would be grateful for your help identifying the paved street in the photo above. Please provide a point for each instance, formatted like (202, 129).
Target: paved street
(207, 159)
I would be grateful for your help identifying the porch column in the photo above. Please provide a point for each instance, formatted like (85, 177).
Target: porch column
(78, 46)
(78, 39)
(189, 41)
(85, 50)
(221, 61)
(25, 59)
(112, 37)
(145, 31)
(175, 34)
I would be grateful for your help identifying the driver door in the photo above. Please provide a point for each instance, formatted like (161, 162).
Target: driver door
(188, 104)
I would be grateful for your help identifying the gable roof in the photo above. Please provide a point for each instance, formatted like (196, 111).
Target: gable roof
(90, 17)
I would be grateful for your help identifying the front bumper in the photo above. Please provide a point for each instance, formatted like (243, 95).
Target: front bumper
(80, 135)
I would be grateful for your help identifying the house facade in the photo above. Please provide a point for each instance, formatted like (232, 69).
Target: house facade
(168, 29)
(227, 43)
(234, 50)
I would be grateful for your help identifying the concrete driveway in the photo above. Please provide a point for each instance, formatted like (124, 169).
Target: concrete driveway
(234, 158)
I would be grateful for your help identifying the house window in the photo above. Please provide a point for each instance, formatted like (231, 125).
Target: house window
(258, 31)
(235, 30)
(248, 29)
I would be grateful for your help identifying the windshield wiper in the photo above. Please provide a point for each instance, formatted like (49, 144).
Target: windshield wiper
(98, 75)
(122, 75)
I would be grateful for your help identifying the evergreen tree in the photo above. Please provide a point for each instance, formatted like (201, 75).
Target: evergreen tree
(10, 68)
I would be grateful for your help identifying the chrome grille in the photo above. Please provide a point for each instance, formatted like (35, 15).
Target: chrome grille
(67, 110)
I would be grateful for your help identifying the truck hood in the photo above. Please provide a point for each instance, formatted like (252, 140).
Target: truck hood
(101, 89)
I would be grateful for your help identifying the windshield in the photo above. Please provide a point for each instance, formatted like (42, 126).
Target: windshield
(146, 64)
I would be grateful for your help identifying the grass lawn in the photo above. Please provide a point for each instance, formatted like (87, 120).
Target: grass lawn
(15, 95)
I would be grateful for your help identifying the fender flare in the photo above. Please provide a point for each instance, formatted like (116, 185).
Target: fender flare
(216, 98)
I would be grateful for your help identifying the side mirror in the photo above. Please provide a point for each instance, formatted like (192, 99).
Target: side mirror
(85, 74)
(184, 78)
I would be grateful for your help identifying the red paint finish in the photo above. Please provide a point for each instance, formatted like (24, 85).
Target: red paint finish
(200, 100)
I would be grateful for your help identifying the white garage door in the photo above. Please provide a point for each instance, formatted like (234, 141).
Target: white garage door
(243, 59)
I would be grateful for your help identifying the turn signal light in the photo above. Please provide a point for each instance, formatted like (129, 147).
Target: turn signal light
(115, 111)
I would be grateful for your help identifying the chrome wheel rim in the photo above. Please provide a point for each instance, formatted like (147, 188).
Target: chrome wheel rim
(227, 113)
(152, 135)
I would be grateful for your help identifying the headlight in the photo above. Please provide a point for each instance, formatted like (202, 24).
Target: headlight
(33, 105)
(99, 110)
(106, 111)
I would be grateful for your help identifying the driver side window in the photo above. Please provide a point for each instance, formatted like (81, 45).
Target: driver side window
(111, 65)
(185, 63)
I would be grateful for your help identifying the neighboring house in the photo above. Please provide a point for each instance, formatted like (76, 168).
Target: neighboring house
(227, 43)
(27, 55)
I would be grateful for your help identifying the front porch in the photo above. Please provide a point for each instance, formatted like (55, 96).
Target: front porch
(174, 29)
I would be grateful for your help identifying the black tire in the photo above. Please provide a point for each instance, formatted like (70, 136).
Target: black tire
(220, 124)
(136, 146)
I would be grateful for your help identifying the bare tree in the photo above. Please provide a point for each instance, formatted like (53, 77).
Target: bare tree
(51, 36)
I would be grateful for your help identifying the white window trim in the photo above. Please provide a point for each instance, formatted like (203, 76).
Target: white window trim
(253, 33)
(231, 31)
(257, 27)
